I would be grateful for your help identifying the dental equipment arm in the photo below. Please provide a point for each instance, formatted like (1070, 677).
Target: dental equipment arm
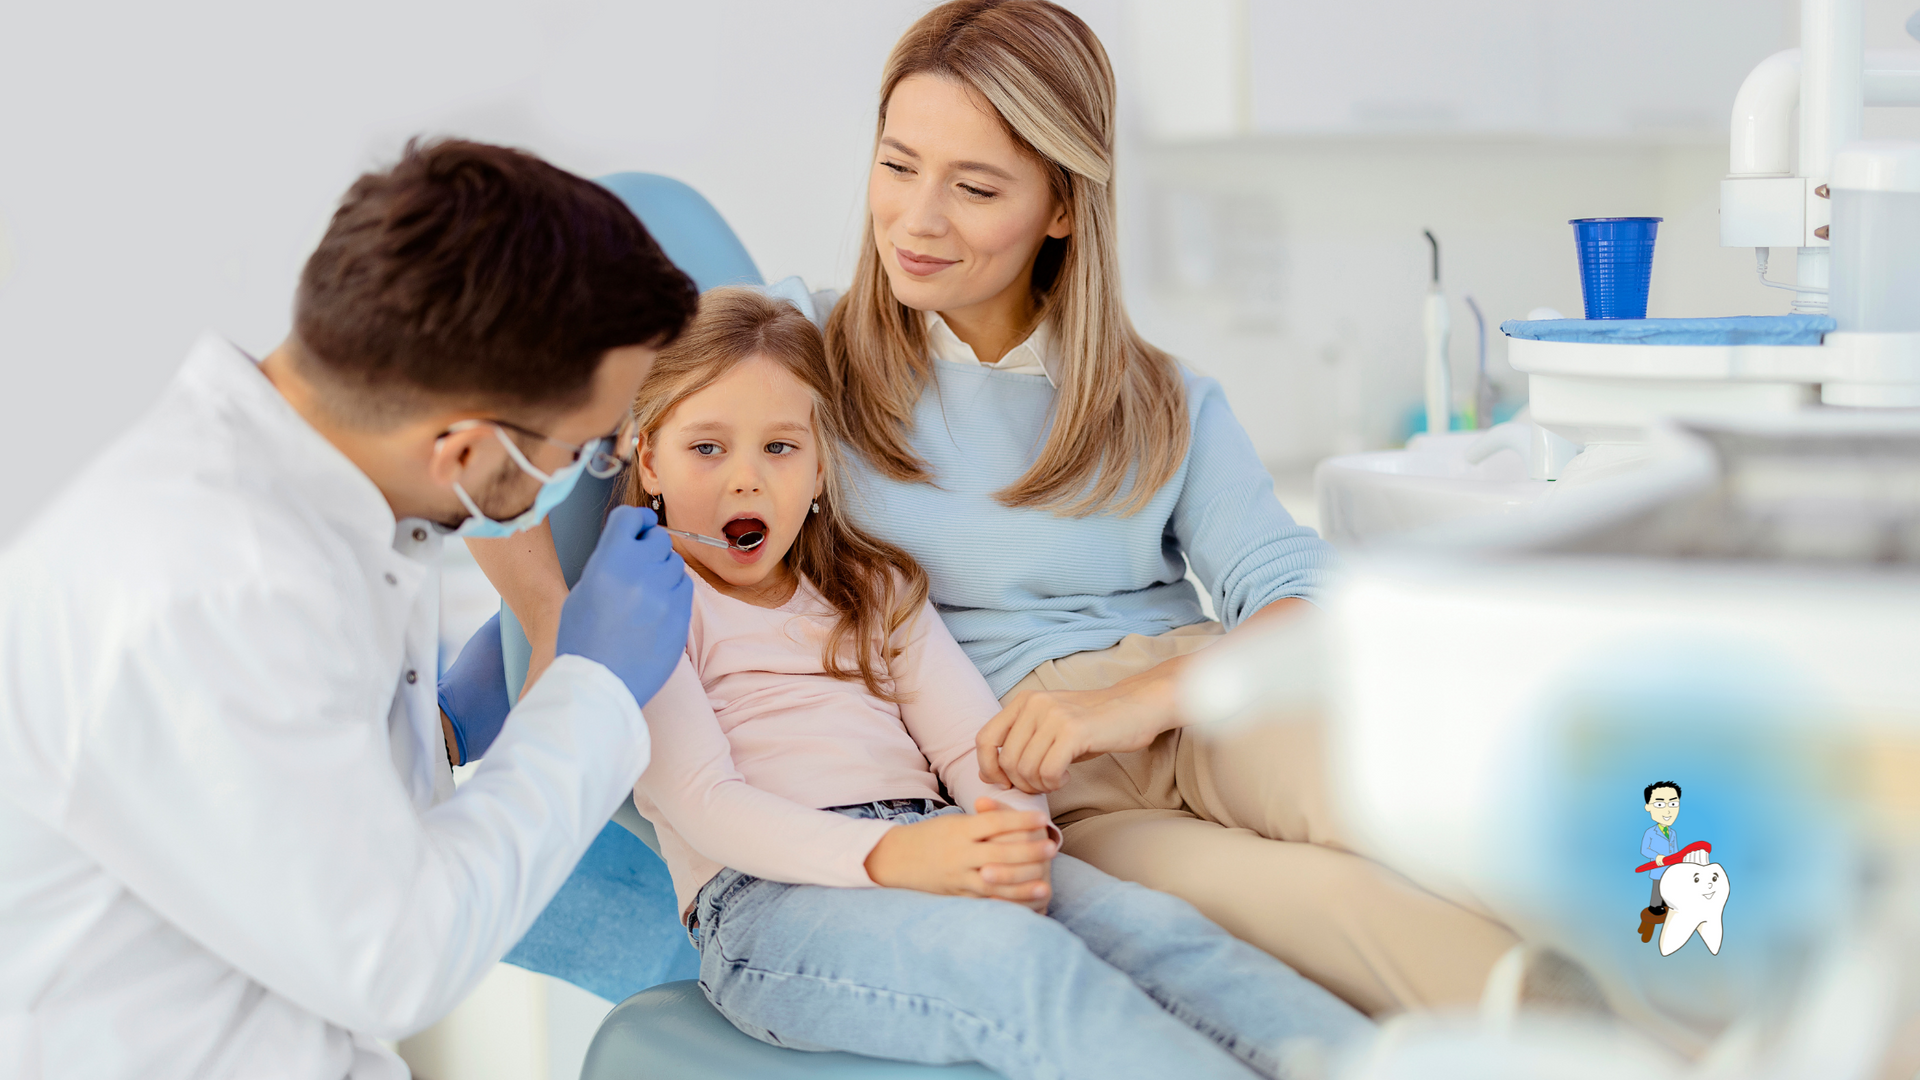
(1760, 257)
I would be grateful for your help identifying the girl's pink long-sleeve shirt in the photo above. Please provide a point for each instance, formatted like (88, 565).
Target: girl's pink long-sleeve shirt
(752, 738)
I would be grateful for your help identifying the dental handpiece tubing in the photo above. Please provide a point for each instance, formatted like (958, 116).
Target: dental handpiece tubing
(1439, 379)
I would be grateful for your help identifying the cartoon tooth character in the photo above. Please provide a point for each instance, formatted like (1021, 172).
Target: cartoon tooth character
(1695, 893)
(1661, 844)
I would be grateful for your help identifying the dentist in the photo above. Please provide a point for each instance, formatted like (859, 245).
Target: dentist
(230, 844)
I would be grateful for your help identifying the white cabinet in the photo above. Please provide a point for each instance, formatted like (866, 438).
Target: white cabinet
(1560, 68)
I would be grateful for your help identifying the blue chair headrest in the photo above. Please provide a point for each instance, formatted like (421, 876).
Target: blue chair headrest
(688, 229)
(703, 245)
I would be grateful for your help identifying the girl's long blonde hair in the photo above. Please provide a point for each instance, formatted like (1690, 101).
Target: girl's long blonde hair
(875, 587)
(1119, 427)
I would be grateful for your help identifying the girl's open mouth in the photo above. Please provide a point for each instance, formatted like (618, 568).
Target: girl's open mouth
(745, 533)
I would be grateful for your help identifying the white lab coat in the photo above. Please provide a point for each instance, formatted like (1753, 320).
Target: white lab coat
(229, 840)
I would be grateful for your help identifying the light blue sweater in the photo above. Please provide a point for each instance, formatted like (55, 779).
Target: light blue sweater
(1019, 587)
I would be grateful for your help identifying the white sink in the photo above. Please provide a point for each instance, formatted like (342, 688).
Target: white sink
(1364, 497)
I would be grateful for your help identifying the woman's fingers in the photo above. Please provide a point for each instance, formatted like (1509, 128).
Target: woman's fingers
(1019, 734)
(987, 746)
(1049, 734)
(1054, 768)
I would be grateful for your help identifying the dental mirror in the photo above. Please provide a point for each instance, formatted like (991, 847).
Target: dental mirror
(746, 541)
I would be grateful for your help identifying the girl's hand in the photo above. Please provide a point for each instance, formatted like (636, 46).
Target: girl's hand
(1016, 873)
(952, 855)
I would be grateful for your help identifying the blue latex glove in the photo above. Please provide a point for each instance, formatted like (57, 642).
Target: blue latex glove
(629, 610)
(473, 692)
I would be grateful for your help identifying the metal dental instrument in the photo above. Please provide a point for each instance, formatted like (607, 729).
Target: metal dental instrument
(747, 541)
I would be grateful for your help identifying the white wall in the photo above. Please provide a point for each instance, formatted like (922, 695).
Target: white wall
(164, 168)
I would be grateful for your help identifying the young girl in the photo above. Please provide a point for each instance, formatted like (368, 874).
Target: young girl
(814, 757)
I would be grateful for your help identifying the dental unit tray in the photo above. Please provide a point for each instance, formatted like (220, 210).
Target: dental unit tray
(1611, 384)
(1738, 330)
(1644, 349)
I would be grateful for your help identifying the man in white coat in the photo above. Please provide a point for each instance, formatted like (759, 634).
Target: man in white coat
(230, 844)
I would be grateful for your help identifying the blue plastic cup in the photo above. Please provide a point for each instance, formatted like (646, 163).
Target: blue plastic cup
(1616, 264)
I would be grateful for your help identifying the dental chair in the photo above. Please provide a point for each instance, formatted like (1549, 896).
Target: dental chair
(620, 895)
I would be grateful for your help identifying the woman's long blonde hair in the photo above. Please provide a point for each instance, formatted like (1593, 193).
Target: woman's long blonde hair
(1119, 427)
(875, 587)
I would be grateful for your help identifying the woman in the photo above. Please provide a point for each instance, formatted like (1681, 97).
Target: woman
(1055, 475)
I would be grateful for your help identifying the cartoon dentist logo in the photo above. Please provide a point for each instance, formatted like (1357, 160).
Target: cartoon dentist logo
(1689, 893)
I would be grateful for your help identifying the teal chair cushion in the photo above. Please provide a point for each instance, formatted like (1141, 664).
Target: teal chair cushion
(613, 928)
(670, 1033)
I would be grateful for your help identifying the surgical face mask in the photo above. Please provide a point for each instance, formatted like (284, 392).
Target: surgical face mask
(554, 489)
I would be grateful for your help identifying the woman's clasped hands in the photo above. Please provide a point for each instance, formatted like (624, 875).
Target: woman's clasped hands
(994, 853)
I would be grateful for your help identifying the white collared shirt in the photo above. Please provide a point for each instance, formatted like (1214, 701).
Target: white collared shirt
(229, 841)
(1036, 355)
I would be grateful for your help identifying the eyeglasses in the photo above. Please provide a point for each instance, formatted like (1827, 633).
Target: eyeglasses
(1663, 804)
(605, 455)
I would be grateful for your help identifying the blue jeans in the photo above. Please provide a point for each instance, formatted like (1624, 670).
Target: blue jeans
(1116, 980)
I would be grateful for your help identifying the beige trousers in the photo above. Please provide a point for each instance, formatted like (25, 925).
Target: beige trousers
(1234, 819)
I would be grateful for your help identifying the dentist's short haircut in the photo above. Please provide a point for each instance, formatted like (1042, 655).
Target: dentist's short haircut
(480, 276)
(1647, 796)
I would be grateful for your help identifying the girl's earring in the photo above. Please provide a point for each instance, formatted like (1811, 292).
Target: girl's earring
(656, 504)
(816, 506)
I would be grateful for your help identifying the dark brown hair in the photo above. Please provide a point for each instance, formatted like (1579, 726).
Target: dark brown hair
(477, 272)
(875, 587)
